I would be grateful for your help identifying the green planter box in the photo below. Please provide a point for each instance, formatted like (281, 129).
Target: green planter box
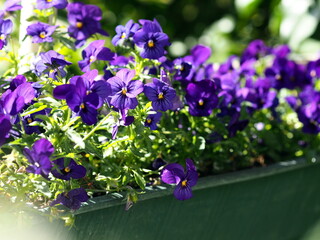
(277, 202)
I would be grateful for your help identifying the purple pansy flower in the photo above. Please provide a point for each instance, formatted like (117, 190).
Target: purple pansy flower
(161, 95)
(39, 157)
(125, 90)
(99, 87)
(41, 32)
(12, 5)
(71, 199)
(82, 102)
(12, 102)
(174, 173)
(152, 120)
(125, 33)
(27, 121)
(16, 81)
(52, 63)
(199, 55)
(124, 121)
(59, 4)
(183, 69)
(67, 169)
(84, 21)
(201, 97)
(151, 39)
(254, 50)
(95, 51)
(5, 127)
(308, 109)
(6, 26)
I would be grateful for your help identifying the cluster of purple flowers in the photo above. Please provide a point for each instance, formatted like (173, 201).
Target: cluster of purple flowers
(63, 168)
(192, 83)
(149, 38)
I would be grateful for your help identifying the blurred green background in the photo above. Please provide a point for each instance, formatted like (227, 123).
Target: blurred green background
(227, 26)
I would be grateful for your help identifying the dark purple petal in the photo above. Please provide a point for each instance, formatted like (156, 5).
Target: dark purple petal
(61, 92)
(5, 127)
(200, 54)
(173, 173)
(102, 88)
(43, 146)
(182, 192)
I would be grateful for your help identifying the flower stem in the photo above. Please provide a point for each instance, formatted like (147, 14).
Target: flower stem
(95, 128)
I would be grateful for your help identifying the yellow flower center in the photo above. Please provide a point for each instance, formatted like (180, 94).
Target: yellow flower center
(87, 155)
(29, 120)
(79, 24)
(92, 59)
(2, 37)
(160, 95)
(67, 169)
(49, 1)
(150, 44)
(42, 35)
(123, 35)
(201, 102)
(149, 120)
(184, 183)
(124, 91)
(82, 106)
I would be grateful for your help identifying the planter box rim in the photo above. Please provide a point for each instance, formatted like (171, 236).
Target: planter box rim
(114, 199)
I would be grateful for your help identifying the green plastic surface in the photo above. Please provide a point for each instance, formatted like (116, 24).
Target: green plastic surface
(278, 202)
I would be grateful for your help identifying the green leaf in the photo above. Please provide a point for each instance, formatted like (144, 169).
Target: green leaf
(136, 151)
(68, 43)
(76, 138)
(139, 180)
(37, 107)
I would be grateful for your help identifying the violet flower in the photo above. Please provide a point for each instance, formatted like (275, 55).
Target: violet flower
(183, 69)
(5, 127)
(199, 55)
(39, 157)
(12, 102)
(59, 4)
(174, 173)
(161, 95)
(6, 27)
(12, 5)
(124, 121)
(125, 33)
(71, 199)
(99, 87)
(125, 90)
(254, 50)
(41, 32)
(95, 51)
(16, 81)
(201, 97)
(51, 63)
(83, 104)
(29, 119)
(152, 120)
(151, 40)
(84, 21)
(67, 169)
